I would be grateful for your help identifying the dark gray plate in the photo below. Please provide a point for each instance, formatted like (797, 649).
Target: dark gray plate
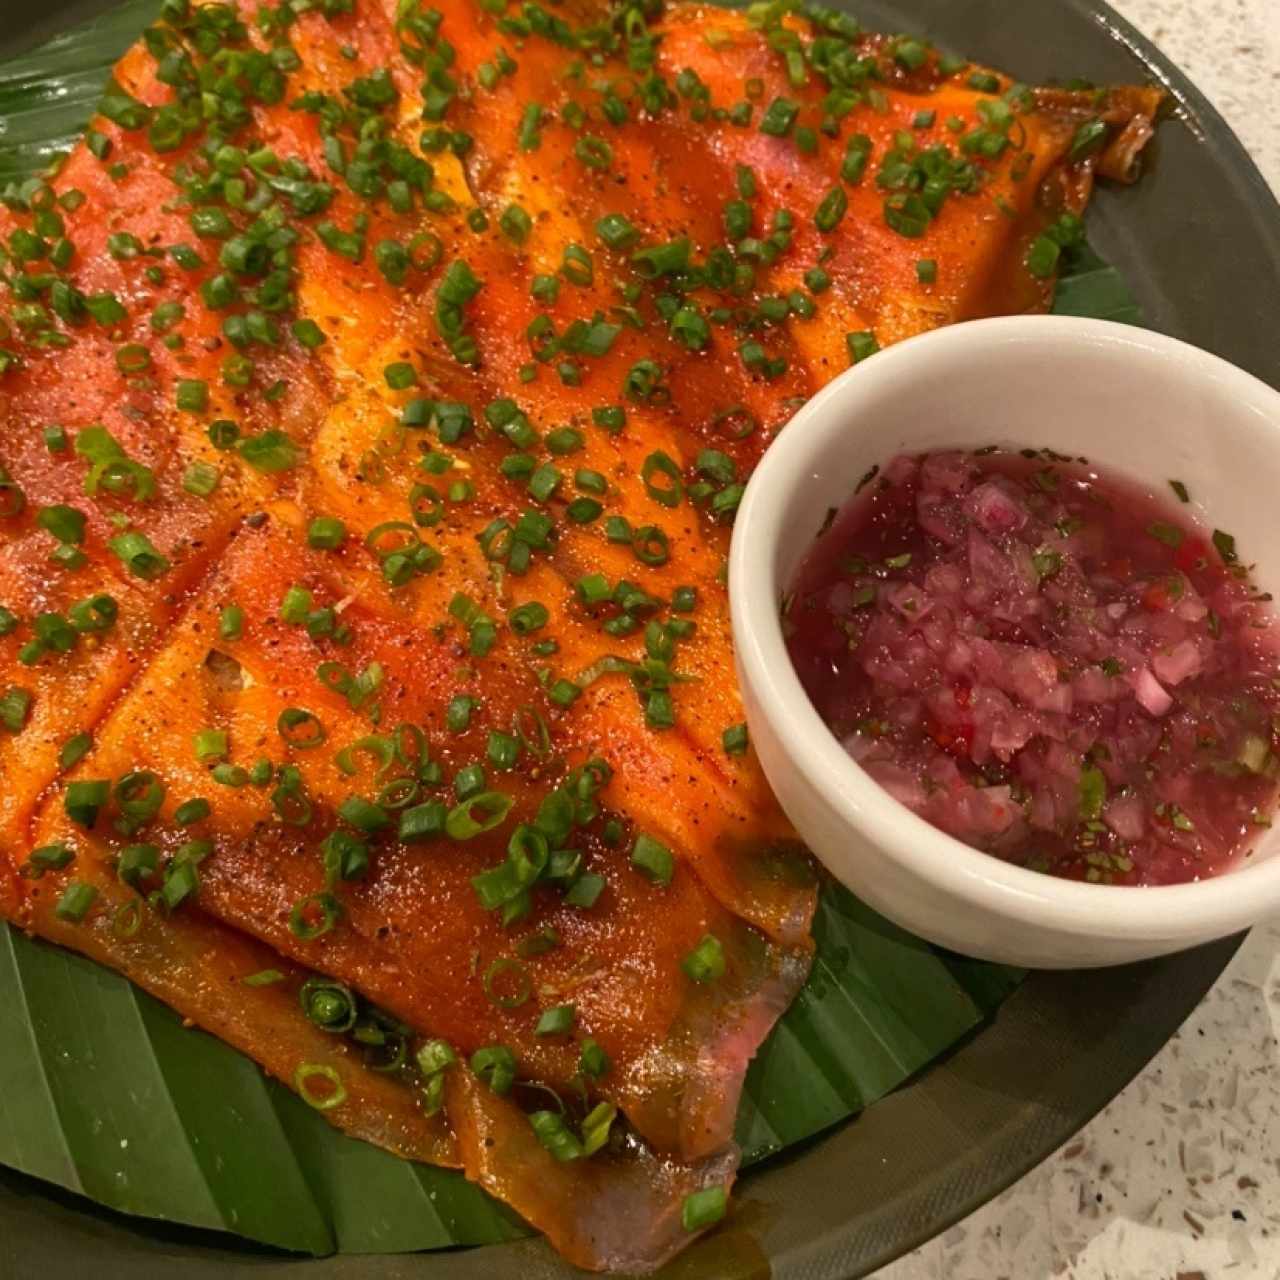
(1199, 241)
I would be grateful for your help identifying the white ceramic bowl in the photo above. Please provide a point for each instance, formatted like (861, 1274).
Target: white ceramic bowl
(1135, 403)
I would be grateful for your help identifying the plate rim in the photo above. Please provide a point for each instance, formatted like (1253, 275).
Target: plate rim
(824, 1251)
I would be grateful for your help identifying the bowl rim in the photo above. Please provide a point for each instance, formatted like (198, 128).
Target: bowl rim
(1217, 904)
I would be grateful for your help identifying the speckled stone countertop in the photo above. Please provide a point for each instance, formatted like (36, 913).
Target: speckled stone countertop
(1179, 1178)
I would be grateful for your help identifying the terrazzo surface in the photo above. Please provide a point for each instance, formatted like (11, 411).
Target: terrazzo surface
(1179, 1178)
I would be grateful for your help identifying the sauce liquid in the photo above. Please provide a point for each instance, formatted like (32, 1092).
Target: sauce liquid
(1046, 662)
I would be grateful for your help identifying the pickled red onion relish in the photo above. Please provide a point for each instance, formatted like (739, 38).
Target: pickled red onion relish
(1046, 662)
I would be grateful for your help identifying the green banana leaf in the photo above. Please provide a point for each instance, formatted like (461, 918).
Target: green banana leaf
(1089, 287)
(104, 1092)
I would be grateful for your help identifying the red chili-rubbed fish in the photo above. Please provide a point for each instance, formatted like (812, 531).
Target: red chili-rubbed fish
(377, 386)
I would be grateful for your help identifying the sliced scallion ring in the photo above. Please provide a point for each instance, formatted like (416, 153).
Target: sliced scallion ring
(127, 920)
(312, 1071)
(328, 1004)
(314, 916)
(301, 728)
(507, 983)
(480, 813)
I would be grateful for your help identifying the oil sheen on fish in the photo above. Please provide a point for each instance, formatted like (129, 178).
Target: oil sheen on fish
(378, 382)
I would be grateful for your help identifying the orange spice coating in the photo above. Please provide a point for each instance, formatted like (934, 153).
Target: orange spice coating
(651, 124)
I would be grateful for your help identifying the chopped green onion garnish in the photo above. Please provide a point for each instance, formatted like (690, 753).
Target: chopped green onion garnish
(671, 490)
(332, 1094)
(653, 859)
(328, 1004)
(1088, 138)
(704, 1208)
(300, 728)
(211, 745)
(434, 1056)
(74, 750)
(557, 1021)
(496, 1066)
(84, 800)
(136, 863)
(861, 345)
(326, 533)
(191, 811)
(556, 1136)
(136, 551)
(593, 1061)
(507, 983)
(314, 915)
(364, 815)
(585, 891)
(832, 209)
(706, 962)
(201, 479)
(479, 813)
(75, 901)
(779, 116)
(231, 622)
(263, 978)
(51, 857)
(423, 822)
(192, 395)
